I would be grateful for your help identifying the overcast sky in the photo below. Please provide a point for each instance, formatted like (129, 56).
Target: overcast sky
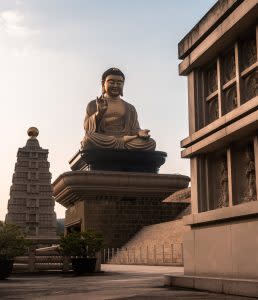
(52, 56)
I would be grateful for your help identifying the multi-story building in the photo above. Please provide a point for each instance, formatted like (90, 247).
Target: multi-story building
(220, 59)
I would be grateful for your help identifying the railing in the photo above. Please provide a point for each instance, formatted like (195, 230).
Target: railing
(51, 260)
(147, 255)
(41, 261)
(46, 259)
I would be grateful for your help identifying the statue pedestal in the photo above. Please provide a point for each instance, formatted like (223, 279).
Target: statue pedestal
(118, 204)
(118, 160)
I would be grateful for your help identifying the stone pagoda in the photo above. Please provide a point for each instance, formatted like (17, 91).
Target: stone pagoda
(31, 205)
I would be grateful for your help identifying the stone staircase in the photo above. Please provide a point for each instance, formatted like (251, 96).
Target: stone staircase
(158, 244)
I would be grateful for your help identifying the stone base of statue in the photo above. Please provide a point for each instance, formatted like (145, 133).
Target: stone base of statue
(118, 160)
(118, 204)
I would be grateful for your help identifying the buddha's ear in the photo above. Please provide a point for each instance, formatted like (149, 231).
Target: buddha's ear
(103, 87)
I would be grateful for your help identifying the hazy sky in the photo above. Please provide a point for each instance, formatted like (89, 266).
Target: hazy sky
(52, 56)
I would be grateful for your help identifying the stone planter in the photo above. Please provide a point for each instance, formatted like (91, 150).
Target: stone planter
(6, 267)
(83, 265)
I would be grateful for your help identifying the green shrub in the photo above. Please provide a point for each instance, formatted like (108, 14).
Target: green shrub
(82, 244)
(12, 241)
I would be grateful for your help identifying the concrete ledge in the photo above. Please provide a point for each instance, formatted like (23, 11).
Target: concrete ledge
(223, 214)
(232, 286)
(247, 125)
(74, 186)
(227, 119)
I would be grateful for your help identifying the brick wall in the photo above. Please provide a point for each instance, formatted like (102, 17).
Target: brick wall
(120, 219)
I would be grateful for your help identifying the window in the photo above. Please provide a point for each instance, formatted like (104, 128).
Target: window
(230, 80)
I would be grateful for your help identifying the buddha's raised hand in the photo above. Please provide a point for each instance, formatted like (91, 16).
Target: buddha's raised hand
(102, 105)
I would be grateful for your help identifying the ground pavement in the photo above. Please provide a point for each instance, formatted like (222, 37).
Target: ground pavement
(116, 282)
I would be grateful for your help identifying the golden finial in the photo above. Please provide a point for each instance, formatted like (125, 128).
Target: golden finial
(33, 132)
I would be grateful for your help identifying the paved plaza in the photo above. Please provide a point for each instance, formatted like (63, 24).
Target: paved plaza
(115, 282)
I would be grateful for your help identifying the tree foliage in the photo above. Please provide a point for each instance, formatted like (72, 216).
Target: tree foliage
(60, 227)
(82, 244)
(12, 241)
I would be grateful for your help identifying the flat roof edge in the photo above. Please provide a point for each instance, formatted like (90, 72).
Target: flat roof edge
(217, 13)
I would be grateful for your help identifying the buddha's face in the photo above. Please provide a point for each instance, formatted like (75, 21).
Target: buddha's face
(113, 85)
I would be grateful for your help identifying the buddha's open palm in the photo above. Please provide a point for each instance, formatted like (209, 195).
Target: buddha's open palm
(144, 133)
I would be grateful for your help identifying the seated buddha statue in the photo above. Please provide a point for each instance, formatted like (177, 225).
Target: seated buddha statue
(111, 122)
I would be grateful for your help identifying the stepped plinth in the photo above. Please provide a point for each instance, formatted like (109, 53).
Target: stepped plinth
(116, 203)
(118, 160)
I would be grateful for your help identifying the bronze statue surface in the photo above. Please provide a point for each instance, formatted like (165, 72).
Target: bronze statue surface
(111, 122)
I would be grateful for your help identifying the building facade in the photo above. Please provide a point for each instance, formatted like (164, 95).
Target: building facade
(219, 57)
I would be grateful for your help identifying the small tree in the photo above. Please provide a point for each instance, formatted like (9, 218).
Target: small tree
(82, 244)
(12, 241)
(60, 227)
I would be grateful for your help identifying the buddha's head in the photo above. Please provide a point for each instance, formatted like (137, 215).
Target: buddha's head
(113, 82)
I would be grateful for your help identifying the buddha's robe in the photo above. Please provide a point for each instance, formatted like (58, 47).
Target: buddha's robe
(117, 129)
